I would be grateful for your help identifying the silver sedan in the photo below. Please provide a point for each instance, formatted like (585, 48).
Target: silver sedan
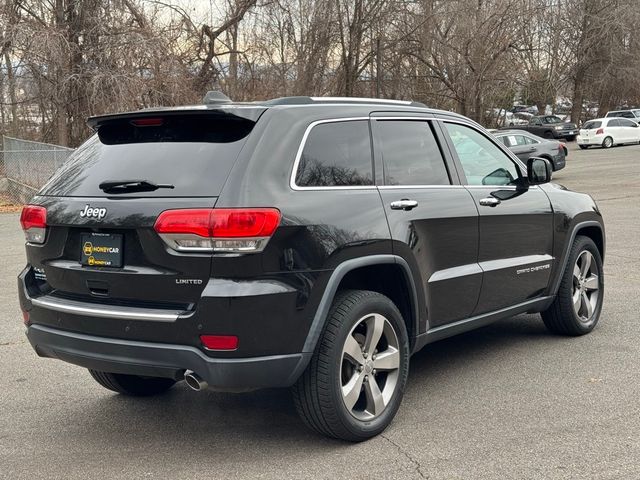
(526, 145)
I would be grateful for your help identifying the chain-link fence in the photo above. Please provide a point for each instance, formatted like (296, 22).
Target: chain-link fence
(25, 166)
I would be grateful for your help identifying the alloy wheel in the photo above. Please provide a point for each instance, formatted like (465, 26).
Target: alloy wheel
(586, 286)
(370, 366)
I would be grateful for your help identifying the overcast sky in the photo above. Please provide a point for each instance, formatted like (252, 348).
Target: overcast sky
(206, 11)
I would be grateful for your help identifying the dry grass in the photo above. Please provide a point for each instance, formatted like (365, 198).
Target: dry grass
(7, 206)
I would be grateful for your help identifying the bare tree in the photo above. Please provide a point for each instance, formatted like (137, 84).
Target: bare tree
(63, 60)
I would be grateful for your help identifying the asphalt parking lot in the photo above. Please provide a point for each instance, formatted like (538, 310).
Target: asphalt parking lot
(506, 401)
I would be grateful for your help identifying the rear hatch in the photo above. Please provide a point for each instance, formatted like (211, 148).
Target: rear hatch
(101, 206)
(591, 129)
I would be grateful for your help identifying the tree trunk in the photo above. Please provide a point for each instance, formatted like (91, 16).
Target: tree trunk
(11, 80)
(232, 89)
(61, 111)
(578, 98)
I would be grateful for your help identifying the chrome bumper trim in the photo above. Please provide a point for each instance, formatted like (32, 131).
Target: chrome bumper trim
(75, 307)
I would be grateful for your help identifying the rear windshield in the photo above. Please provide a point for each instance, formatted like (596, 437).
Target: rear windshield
(621, 113)
(194, 154)
(591, 125)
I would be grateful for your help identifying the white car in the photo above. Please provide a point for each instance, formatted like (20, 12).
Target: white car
(607, 132)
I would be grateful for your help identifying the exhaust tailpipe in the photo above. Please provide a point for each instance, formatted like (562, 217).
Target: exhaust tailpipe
(194, 381)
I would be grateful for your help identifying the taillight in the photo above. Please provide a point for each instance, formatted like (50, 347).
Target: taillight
(600, 131)
(147, 122)
(34, 223)
(240, 230)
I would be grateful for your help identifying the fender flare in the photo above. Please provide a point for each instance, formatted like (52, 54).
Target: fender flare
(565, 253)
(332, 287)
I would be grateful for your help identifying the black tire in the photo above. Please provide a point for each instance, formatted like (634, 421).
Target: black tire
(548, 134)
(572, 138)
(132, 385)
(583, 147)
(607, 142)
(318, 394)
(561, 317)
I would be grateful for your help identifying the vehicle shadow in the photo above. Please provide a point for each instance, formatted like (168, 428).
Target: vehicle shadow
(265, 421)
(475, 347)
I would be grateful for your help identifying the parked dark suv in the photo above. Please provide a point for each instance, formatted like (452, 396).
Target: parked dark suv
(306, 242)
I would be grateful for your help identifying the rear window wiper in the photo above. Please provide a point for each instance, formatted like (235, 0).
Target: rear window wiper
(125, 186)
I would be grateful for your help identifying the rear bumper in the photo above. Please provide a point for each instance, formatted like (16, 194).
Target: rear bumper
(594, 140)
(559, 162)
(165, 360)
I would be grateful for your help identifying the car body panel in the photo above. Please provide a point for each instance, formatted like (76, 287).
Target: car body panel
(548, 126)
(620, 130)
(526, 145)
(276, 301)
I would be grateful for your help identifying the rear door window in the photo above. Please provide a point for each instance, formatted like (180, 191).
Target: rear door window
(504, 140)
(410, 153)
(627, 123)
(520, 140)
(336, 154)
(194, 154)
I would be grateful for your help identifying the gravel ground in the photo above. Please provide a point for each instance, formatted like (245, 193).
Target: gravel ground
(506, 401)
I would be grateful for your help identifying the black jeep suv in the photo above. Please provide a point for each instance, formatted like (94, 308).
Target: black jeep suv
(312, 243)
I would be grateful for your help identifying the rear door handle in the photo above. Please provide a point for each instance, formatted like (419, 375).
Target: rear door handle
(404, 204)
(489, 202)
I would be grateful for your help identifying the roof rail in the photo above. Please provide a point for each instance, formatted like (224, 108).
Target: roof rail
(311, 100)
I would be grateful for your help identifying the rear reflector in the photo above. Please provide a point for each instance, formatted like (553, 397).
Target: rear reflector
(25, 318)
(33, 220)
(218, 230)
(219, 342)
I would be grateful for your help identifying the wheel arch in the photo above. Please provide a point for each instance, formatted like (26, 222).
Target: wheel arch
(366, 273)
(591, 229)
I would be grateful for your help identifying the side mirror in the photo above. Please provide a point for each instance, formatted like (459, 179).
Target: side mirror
(538, 171)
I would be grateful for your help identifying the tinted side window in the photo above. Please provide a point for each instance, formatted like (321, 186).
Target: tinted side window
(410, 153)
(482, 161)
(614, 123)
(626, 123)
(336, 154)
